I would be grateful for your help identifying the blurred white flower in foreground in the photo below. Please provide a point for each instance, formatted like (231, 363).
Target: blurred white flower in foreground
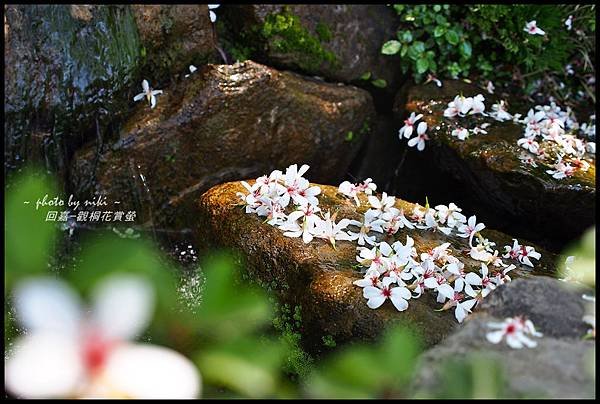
(516, 330)
(149, 93)
(71, 352)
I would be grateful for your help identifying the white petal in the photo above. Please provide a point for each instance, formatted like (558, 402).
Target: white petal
(446, 290)
(123, 306)
(399, 303)
(495, 336)
(152, 101)
(44, 365)
(46, 304)
(213, 16)
(375, 301)
(147, 371)
(145, 86)
(139, 96)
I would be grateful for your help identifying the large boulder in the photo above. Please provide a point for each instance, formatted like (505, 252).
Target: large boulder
(221, 123)
(560, 366)
(338, 42)
(72, 70)
(523, 199)
(319, 278)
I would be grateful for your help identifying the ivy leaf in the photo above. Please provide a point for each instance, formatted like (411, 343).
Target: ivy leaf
(406, 36)
(422, 65)
(380, 83)
(452, 37)
(391, 47)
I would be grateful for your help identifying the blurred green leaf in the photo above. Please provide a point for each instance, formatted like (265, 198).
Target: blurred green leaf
(380, 83)
(466, 49)
(248, 366)
(103, 255)
(366, 76)
(422, 65)
(229, 309)
(452, 37)
(391, 47)
(28, 237)
(363, 371)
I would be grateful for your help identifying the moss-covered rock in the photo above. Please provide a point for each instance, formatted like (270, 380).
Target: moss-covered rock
(319, 278)
(490, 166)
(221, 123)
(72, 70)
(338, 42)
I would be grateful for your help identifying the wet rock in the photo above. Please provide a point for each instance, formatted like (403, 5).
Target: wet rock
(174, 36)
(319, 278)
(72, 70)
(338, 42)
(534, 205)
(559, 367)
(221, 123)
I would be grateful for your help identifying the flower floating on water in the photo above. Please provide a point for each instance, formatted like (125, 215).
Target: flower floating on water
(149, 93)
(211, 13)
(517, 332)
(533, 29)
(70, 352)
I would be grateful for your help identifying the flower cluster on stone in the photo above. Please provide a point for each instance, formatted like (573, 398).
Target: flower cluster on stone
(549, 133)
(517, 331)
(390, 271)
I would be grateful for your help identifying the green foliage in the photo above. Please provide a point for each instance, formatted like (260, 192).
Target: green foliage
(367, 371)
(475, 377)
(28, 237)
(488, 41)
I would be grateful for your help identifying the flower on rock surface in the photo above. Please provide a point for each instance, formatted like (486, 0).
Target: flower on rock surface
(70, 352)
(352, 190)
(371, 222)
(328, 230)
(529, 144)
(533, 29)
(407, 130)
(561, 170)
(521, 253)
(470, 229)
(460, 133)
(383, 205)
(500, 113)
(455, 299)
(378, 295)
(450, 215)
(477, 105)
(149, 93)
(516, 330)
(421, 137)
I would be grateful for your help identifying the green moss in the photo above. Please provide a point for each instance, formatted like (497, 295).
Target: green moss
(288, 323)
(328, 341)
(285, 34)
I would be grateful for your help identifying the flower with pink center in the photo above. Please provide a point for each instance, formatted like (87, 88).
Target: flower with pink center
(561, 170)
(71, 352)
(370, 223)
(371, 278)
(470, 229)
(532, 28)
(375, 258)
(421, 137)
(331, 231)
(455, 299)
(409, 124)
(376, 296)
(529, 144)
(383, 205)
(516, 331)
